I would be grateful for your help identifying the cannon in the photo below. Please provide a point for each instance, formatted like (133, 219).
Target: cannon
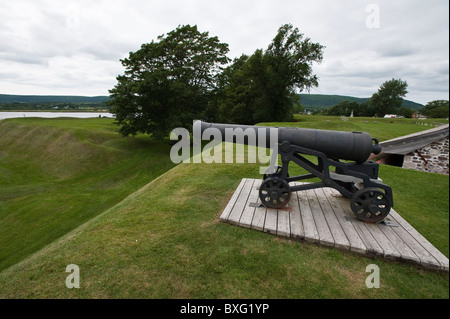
(342, 163)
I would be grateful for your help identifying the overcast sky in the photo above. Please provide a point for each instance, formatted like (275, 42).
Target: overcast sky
(62, 47)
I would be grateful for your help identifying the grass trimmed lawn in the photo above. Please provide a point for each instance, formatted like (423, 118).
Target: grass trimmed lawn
(151, 247)
(165, 241)
(56, 174)
(381, 128)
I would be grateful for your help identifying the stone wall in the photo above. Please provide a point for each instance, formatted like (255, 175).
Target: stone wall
(433, 158)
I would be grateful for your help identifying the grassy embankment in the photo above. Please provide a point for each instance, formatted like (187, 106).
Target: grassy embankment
(56, 174)
(165, 241)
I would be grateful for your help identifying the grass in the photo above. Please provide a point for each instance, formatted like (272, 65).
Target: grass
(165, 240)
(423, 200)
(56, 174)
(152, 247)
(380, 128)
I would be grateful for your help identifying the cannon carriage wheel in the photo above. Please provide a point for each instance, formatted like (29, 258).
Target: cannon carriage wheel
(370, 205)
(274, 192)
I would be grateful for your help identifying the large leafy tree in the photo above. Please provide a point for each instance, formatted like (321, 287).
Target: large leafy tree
(289, 60)
(263, 87)
(168, 83)
(234, 93)
(244, 96)
(389, 97)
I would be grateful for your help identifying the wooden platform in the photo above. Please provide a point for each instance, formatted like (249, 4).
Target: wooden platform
(324, 216)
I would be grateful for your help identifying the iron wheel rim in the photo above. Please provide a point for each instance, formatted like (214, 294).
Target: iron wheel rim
(274, 192)
(370, 205)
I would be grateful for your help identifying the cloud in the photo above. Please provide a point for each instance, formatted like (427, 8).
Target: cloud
(74, 47)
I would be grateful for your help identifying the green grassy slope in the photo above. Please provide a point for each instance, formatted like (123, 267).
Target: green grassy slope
(380, 128)
(56, 174)
(166, 241)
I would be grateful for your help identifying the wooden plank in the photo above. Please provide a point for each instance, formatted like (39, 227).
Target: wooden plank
(227, 210)
(283, 225)
(373, 248)
(309, 225)
(416, 242)
(270, 225)
(371, 244)
(324, 216)
(355, 241)
(259, 218)
(241, 202)
(404, 250)
(426, 259)
(389, 250)
(259, 215)
(325, 236)
(340, 239)
(295, 218)
(232, 202)
(247, 214)
(440, 257)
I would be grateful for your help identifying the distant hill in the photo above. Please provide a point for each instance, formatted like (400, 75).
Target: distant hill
(7, 98)
(313, 102)
(310, 102)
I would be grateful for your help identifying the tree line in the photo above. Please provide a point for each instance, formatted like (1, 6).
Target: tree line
(388, 100)
(186, 75)
(40, 106)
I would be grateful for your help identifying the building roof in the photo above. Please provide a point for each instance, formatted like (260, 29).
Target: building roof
(406, 144)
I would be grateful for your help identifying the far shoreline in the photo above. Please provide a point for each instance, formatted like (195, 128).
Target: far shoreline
(59, 111)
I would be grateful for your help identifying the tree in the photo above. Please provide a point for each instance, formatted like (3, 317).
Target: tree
(289, 60)
(343, 108)
(405, 112)
(263, 87)
(168, 83)
(239, 97)
(298, 107)
(364, 109)
(436, 109)
(389, 97)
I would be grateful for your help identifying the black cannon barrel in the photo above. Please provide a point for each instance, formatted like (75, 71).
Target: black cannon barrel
(353, 146)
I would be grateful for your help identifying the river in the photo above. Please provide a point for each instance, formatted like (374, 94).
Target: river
(9, 115)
